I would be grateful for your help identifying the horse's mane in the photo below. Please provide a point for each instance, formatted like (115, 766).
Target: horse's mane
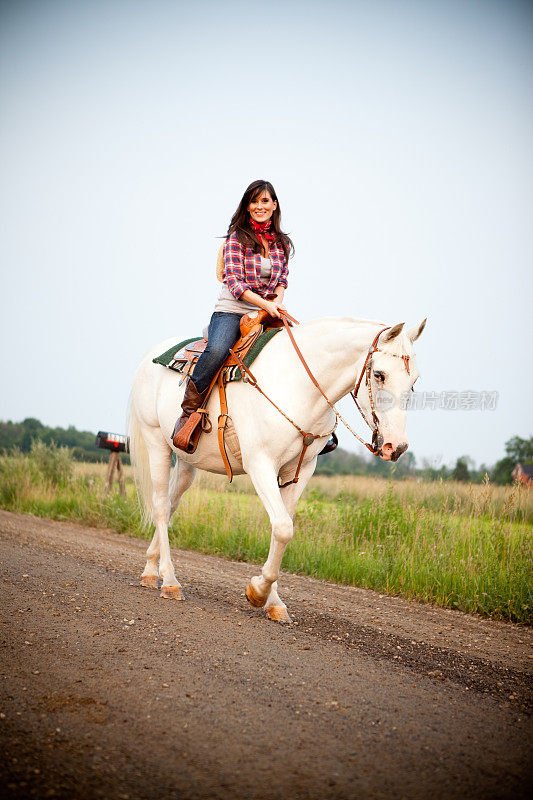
(401, 345)
(345, 320)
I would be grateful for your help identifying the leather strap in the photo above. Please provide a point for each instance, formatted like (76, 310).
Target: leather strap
(308, 438)
(284, 317)
(366, 367)
(366, 371)
(297, 473)
(222, 422)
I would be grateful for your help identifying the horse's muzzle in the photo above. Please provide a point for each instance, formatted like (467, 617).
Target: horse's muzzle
(385, 450)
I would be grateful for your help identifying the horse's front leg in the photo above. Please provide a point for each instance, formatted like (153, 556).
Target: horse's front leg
(262, 590)
(275, 607)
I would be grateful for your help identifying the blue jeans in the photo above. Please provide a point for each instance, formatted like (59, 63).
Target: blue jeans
(224, 330)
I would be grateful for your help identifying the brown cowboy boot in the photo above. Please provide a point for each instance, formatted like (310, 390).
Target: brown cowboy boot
(191, 401)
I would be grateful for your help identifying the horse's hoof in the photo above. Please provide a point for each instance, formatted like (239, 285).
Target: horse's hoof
(278, 614)
(149, 581)
(253, 598)
(171, 592)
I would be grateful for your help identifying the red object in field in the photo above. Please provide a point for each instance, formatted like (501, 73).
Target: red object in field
(116, 442)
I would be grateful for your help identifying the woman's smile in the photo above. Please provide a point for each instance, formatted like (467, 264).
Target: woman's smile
(262, 207)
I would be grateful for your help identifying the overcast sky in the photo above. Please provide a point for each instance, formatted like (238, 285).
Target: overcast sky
(398, 136)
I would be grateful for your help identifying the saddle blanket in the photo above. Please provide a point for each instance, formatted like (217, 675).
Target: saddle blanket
(171, 358)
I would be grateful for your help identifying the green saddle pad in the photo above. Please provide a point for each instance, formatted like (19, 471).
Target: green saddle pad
(168, 358)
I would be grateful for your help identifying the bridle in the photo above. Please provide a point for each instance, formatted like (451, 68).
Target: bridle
(367, 371)
(309, 438)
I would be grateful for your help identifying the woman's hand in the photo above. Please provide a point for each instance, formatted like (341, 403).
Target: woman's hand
(272, 307)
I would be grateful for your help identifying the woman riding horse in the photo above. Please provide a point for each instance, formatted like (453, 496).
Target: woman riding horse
(255, 273)
(256, 253)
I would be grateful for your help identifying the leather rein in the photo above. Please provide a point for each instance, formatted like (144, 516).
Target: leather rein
(309, 438)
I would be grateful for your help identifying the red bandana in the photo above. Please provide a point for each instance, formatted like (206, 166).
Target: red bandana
(261, 229)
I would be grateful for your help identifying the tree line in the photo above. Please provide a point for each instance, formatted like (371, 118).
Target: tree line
(341, 462)
(21, 435)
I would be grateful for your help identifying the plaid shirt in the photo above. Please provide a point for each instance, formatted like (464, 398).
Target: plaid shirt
(242, 268)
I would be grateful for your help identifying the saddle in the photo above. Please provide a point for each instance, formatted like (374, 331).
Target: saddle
(251, 327)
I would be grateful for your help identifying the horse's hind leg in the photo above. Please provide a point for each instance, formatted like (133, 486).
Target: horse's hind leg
(182, 477)
(150, 575)
(160, 459)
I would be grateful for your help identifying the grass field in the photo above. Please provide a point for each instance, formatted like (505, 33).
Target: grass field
(462, 546)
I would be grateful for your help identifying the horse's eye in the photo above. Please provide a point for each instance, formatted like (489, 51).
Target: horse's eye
(379, 376)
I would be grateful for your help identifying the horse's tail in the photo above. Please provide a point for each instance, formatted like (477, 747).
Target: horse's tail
(140, 464)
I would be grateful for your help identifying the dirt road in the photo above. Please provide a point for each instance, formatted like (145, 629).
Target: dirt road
(109, 691)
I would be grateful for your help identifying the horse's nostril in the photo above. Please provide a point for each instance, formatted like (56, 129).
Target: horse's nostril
(387, 449)
(399, 450)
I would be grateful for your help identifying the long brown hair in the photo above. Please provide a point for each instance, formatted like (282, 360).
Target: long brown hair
(240, 221)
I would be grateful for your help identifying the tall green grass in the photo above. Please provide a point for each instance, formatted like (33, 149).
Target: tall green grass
(439, 544)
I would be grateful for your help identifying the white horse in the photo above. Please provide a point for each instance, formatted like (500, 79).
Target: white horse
(335, 350)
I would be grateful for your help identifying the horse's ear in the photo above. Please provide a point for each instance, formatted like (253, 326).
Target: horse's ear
(414, 333)
(394, 332)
